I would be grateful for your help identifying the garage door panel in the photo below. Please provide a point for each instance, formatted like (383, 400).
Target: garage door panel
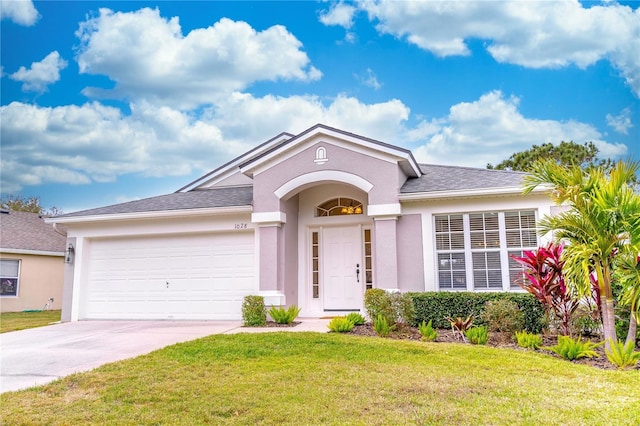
(207, 275)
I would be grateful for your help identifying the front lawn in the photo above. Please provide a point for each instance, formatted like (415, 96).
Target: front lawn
(313, 378)
(14, 321)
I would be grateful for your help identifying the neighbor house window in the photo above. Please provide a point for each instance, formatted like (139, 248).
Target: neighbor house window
(474, 249)
(339, 206)
(9, 274)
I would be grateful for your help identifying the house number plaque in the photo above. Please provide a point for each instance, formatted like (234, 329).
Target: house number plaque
(240, 226)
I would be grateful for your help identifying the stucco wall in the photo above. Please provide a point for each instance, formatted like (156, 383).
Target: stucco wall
(41, 277)
(382, 174)
(410, 253)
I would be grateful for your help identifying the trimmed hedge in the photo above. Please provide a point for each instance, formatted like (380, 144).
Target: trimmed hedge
(435, 306)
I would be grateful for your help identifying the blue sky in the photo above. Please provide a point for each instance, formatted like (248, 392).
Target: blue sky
(105, 102)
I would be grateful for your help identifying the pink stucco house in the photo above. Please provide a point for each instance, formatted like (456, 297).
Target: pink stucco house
(312, 219)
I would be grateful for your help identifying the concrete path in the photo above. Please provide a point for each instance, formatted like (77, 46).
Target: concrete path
(41, 355)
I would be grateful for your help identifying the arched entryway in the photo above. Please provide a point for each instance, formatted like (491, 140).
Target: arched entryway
(335, 248)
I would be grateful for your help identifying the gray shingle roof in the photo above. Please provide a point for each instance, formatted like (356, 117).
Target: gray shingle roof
(199, 199)
(453, 178)
(27, 231)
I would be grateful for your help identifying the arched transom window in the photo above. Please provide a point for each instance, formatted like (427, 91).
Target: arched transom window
(339, 206)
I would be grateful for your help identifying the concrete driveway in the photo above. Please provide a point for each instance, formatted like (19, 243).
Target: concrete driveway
(40, 355)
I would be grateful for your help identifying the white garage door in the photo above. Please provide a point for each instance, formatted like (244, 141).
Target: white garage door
(174, 277)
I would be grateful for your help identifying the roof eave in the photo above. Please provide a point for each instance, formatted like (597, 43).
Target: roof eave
(464, 193)
(233, 164)
(158, 214)
(31, 252)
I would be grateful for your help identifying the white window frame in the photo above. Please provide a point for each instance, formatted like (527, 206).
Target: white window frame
(503, 249)
(11, 277)
(364, 268)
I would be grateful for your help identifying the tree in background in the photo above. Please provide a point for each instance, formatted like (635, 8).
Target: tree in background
(27, 204)
(601, 227)
(565, 154)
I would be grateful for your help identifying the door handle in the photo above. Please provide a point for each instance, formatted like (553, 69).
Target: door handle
(358, 272)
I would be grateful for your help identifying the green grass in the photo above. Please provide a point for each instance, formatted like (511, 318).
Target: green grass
(13, 321)
(313, 378)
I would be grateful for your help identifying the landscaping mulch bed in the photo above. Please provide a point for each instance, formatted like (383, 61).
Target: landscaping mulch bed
(500, 340)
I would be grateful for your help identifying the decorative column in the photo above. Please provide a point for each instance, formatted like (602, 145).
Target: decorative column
(385, 271)
(270, 258)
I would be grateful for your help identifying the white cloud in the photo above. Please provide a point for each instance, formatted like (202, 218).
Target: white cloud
(22, 12)
(41, 74)
(246, 120)
(97, 143)
(621, 123)
(350, 37)
(340, 14)
(369, 79)
(93, 142)
(188, 70)
(492, 128)
(541, 34)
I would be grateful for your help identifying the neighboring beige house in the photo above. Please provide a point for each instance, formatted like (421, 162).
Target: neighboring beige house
(32, 261)
(312, 220)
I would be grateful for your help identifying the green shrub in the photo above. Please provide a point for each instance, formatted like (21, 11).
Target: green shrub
(376, 303)
(284, 316)
(254, 312)
(403, 310)
(394, 307)
(570, 349)
(478, 335)
(622, 356)
(583, 324)
(427, 332)
(355, 318)
(436, 306)
(528, 340)
(340, 325)
(382, 326)
(502, 315)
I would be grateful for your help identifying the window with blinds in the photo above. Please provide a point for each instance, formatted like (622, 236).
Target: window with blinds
(9, 275)
(450, 246)
(473, 249)
(484, 231)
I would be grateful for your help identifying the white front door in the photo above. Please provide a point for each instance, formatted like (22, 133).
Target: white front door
(342, 268)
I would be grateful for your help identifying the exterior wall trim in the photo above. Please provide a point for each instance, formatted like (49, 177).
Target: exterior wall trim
(32, 252)
(269, 217)
(417, 196)
(323, 175)
(150, 215)
(376, 210)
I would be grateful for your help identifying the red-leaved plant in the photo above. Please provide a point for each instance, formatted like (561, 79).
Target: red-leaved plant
(545, 280)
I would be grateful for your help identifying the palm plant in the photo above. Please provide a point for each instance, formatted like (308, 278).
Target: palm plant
(627, 275)
(602, 222)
